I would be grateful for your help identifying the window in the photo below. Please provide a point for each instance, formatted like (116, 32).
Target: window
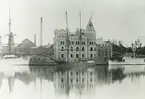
(91, 55)
(71, 49)
(91, 49)
(62, 48)
(61, 80)
(83, 49)
(77, 48)
(71, 55)
(82, 55)
(62, 42)
(76, 42)
(62, 55)
(106, 53)
(72, 42)
(77, 55)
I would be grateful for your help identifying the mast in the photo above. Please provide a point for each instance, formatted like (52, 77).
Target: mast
(67, 40)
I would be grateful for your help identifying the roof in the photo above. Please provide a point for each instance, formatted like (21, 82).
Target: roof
(26, 43)
(101, 41)
(90, 26)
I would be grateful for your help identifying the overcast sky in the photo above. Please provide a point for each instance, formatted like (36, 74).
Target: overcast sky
(113, 19)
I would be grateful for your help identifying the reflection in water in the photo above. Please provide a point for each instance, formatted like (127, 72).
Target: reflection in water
(11, 82)
(81, 81)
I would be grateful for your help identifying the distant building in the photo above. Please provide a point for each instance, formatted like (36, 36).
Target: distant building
(23, 47)
(84, 48)
(104, 49)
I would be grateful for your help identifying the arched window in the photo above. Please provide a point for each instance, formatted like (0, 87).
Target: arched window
(91, 49)
(60, 42)
(72, 42)
(71, 49)
(76, 42)
(62, 48)
(83, 49)
(77, 48)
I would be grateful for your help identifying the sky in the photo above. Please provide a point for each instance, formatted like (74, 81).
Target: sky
(113, 19)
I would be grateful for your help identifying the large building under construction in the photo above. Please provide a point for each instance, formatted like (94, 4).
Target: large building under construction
(83, 47)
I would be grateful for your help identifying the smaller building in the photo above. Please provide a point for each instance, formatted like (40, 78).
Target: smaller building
(104, 49)
(23, 47)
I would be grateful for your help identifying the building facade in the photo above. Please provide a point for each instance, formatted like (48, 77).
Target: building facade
(82, 44)
(104, 49)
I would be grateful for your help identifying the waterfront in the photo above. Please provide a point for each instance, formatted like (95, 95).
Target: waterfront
(49, 82)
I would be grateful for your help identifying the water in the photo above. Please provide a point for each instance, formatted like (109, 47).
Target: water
(48, 82)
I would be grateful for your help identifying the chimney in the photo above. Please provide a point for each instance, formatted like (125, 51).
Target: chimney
(35, 39)
(41, 20)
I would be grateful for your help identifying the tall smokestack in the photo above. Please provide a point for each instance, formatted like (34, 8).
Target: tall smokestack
(41, 20)
(35, 39)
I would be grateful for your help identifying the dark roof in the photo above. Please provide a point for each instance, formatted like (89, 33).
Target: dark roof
(26, 43)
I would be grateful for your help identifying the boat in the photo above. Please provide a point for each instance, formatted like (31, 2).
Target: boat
(40, 60)
(128, 61)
